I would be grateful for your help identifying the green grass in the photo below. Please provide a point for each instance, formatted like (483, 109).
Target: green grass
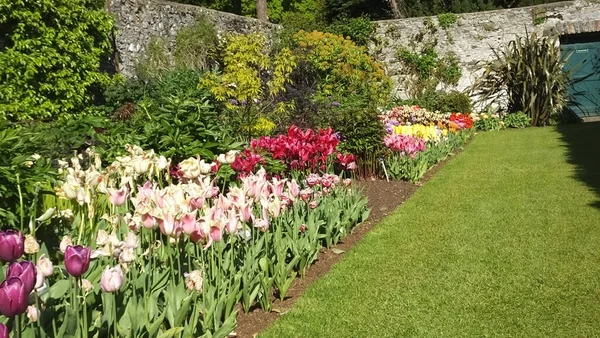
(503, 242)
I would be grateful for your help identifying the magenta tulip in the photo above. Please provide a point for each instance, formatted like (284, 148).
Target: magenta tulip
(3, 331)
(12, 245)
(25, 270)
(13, 297)
(77, 260)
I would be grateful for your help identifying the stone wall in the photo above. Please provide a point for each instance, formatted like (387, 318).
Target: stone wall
(137, 21)
(471, 37)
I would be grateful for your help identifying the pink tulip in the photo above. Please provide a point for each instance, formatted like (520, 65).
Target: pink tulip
(24, 270)
(232, 225)
(146, 190)
(197, 202)
(313, 204)
(112, 279)
(277, 186)
(216, 233)
(12, 245)
(117, 197)
(293, 188)
(148, 221)
(188, 222)
(77, 260)
(167, 224)
(306, 194)
(245, 211)
(13, 297)
(224, 202)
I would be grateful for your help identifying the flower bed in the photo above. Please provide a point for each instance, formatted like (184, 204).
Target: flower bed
(418, 139)
(153, 249)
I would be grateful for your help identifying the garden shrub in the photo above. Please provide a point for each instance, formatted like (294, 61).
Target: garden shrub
(196, 46)
(249, 81)
(447, 102)
(525, 75)
(155, 60)
(517, 120)
(51, 65)
(360, 30)
(344, 69)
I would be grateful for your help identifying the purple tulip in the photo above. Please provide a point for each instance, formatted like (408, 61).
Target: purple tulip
(234, 102)
(3, 331)
(25, 270)
(13, 297)
(335, 104)
(12, 245)
(77, 260)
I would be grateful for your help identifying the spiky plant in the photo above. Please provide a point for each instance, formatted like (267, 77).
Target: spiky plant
(525, 75)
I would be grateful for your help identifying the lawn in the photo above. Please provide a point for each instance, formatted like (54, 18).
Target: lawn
(503, 241)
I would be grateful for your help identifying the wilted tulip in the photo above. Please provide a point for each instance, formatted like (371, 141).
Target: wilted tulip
(127, 255)
(86, 285)
(13, 297)
(64, 243)
(112, 279)
(194, 280)
(101, 237)
(77, 260)
(31, 245)
(39, 280)
(346, 182)
(25, 271)
(313, 204)
(44, 265)
(32, 313)
(3, 331)
(12, 245)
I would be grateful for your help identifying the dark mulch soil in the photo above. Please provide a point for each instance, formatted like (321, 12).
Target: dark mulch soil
(384, 198)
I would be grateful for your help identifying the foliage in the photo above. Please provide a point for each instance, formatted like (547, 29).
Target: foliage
(196, 46)
(360, 30)
(292, 23)
(155, 59)
(517, 120)
(442, 101)
(45, 77)
(374, 9)
(425, 69)
(24, 175)
(249, 80)
(445, 20)
(488, 122)
(525, 75)
(344, 69)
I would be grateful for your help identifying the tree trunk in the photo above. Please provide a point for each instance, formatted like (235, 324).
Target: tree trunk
(261, 10)
(395, 10)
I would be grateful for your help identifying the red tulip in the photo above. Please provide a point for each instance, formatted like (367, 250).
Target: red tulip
(77, 260)
(3, 331)
(13, 297)
(25, 270)
(12, 245)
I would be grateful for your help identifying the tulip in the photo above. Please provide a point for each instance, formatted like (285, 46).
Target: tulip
(293, 188)
(39, 280)
(127, 255)
(25, 271)
(188, 222)
(32, 313)
(3, 331)
(13, 297)
(117, 197)
(167, 224)
(12, 245)
(112, 279)
(148, 221)
(64, 243)
(77, 260)
(232, 225)
(313, 204)
(31, 245)
(44, 265)
(194, 280)
(86, 285)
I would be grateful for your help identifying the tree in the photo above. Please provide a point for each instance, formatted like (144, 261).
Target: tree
(261, 10)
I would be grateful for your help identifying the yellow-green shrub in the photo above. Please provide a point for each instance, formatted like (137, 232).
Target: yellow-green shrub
(344, 68)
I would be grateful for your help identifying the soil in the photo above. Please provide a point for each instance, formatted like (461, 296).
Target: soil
(384, 198)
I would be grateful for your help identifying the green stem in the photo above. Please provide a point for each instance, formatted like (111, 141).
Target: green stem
(85, 323)
(18, 326)
(74, 299)
(22, 213)
(115, 316)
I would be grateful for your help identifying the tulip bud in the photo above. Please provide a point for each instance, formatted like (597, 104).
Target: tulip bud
(32, 313)
(44, 265)
(64, 243)
(31, 245)
(12, 245)
(77, 260)
(25, 271)
(112, 279)
(3, 331)
(46, 216)
(13, 297)
(194, 280)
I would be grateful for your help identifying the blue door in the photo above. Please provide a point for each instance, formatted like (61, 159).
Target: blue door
(584, 63)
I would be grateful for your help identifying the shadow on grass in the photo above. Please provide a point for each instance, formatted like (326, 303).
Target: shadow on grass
(583, 143)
